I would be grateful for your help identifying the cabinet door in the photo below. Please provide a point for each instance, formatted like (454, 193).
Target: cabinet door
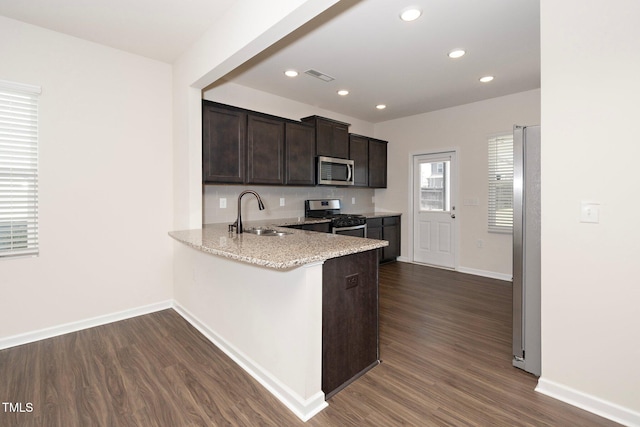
(391, 233)
(377, 163)
(300, 158)
(349, 318)
(359, 153)
(332, 138)
(265, 150)
(223, 145)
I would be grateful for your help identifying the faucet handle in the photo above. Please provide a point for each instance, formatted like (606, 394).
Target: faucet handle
(231, 227)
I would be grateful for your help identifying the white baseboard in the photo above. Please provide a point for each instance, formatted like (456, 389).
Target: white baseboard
(595, 405)
(466, 270)
(484, 273)
(302, 408)
(54, 331)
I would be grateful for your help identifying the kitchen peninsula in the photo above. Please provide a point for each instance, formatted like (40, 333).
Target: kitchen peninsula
(298, 311)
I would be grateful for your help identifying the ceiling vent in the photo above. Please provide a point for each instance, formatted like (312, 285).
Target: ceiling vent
(319, 75)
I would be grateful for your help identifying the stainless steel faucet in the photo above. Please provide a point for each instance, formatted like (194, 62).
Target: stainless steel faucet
(238, 224)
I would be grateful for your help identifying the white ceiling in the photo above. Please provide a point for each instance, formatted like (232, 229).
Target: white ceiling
(361, 43)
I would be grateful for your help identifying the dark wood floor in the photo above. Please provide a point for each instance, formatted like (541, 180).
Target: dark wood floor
(445, 345)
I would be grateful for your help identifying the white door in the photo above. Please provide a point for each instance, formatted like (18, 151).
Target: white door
(434, 230)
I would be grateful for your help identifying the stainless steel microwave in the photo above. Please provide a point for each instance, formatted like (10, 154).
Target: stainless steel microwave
(333, 171)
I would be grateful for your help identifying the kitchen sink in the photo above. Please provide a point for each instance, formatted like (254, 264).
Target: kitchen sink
(259, 231)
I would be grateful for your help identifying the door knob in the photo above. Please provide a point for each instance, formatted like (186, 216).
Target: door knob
(453, 215)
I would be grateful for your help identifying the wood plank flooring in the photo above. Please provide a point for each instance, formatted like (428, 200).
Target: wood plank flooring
(445, 343)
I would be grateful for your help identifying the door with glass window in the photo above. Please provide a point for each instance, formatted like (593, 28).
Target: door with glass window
(434, 227)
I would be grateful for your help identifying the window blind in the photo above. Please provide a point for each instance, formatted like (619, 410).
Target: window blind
(501, 184)
(18, 169)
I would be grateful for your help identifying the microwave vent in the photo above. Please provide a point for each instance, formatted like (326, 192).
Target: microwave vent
(317, 74)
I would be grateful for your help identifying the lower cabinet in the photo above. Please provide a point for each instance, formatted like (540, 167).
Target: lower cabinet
(386, 228)
(349, 319)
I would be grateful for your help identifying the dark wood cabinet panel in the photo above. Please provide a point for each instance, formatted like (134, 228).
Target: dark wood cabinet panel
(391, 233)
(223, 144)
(377, 163)
(386, 228)
(359, 153)
(349, 319)
(300, 157)
(332, 137)
(265, 150)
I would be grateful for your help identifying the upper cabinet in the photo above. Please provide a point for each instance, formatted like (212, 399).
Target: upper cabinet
(332, 137)
(377, 163)
(224, 138)
(370, 159)
(300, 154)
(265, 150)
(240, 146)
(359, 153)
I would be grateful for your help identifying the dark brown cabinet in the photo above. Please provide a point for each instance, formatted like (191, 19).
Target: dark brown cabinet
(359, 153)
(386, 228)
(240, 146)
(224, 144)
(300, 149)
(332, 137)
(265, 150)
(349, 319)
(377, 163)
(246, 147)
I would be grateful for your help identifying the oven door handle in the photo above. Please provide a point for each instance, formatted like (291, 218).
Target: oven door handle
(355, 227)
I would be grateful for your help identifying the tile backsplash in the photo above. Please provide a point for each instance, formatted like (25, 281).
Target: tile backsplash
(354, 200)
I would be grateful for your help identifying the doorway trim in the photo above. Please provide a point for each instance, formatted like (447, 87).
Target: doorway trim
(411, 201)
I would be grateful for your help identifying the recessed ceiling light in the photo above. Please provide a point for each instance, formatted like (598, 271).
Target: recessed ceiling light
(291, 73)
(409, 15)
(486, 79)
(343, 92)
(381, 106)
(456, 53)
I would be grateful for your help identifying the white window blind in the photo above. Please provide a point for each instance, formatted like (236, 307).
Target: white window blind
(501, 184)
(18, 169)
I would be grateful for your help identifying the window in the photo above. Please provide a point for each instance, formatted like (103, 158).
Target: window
(434, 186)
(18, 169)
(501, 184)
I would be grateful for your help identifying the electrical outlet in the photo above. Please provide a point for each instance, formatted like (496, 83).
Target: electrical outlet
(353, 200)
(223, 203)
(281, 201)
(352, 281)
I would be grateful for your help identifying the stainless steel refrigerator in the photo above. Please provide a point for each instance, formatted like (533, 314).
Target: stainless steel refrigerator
(526, 249)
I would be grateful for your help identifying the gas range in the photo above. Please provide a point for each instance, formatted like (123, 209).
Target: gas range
(330, 209)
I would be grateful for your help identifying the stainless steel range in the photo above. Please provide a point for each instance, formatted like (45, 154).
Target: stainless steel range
(348, 224)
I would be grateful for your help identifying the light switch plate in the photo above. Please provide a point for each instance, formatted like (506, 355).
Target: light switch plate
(590, 212)
(281, 201)
(223, 203)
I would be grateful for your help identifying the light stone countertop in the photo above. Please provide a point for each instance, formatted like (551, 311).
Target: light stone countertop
(278, 252)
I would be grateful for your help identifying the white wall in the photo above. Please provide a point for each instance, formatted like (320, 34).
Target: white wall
(590, 284)
(256, 100)
(105, 181)
(465, 128)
